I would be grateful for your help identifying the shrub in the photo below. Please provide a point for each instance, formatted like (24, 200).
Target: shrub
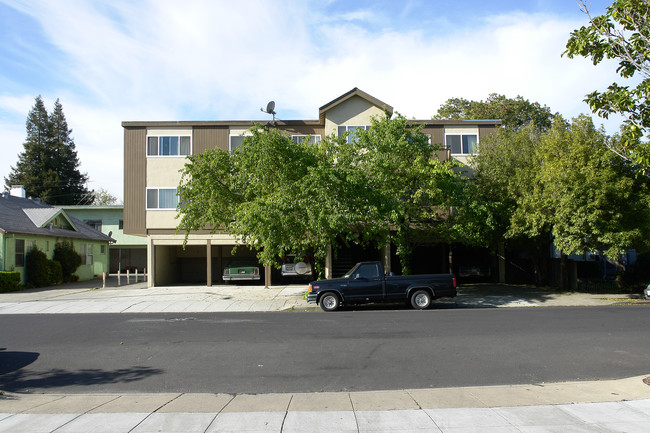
(636, 276)
(65, 254)
(36, 268)
(9, 281)
(54, 272)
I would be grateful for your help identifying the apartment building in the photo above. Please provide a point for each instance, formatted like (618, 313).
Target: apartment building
(155, 152)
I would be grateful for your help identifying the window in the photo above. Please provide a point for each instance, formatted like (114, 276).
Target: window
(236, 141)
(174, 145)
(102, 249)
(20, 253)
(96, 224)
(162, 198)
(120, 225)
(461, 144)
(313, 139)
(86, 253)
(351, 130)
(367, 271)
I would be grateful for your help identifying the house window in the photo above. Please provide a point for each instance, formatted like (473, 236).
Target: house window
(313, 139)
(162, 198)
(102, 249)
(120, 225)
(20, 253)
(86, 253)
(351, 130)
(174, 145)
(96, 224)
(236, 141)
(461, 144)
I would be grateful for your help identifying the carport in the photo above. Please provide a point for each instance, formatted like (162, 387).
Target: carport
(200, 262)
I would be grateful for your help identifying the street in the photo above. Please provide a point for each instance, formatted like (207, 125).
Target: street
(369, 349)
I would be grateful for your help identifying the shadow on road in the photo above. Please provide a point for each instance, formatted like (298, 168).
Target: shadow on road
(22, 380)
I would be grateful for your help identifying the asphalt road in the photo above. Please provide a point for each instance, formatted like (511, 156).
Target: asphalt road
(315, 351)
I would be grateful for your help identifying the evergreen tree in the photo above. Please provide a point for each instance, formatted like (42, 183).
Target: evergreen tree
(48, 168)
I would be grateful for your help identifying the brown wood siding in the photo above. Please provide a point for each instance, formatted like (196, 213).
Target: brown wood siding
(486, 131)
(135, 180)
(209, 137)
(437, 140)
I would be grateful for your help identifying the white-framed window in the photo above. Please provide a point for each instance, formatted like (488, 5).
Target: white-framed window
(102, 249)
(351, 130)
(169, 145)
(236, 140)
(162, 198)
(313, 139)
(96, 224)
(20, 253)
(461, 144)
(86, 253)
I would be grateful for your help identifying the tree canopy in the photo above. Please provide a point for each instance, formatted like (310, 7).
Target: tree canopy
(566, 183)
(623, 34)
(513, 112)
(48, 168)
(277, 195)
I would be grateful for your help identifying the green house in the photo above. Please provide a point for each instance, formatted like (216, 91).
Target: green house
(27, 223)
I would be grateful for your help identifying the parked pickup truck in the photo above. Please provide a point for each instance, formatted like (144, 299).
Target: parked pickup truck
(366, 282)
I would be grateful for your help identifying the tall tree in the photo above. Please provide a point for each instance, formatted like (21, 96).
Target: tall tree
(415, 187)
(623, 34)
(276, 195)
(514, 113)
(48, 167)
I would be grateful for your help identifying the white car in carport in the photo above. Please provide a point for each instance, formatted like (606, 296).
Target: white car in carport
(295, 265)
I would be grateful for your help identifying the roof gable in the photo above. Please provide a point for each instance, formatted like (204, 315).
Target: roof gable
(41, 217)
(351, 94)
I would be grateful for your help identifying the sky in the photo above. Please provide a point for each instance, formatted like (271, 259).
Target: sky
(114, 61)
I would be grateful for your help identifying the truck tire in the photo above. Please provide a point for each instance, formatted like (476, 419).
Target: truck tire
(421, 300)
(329, 302)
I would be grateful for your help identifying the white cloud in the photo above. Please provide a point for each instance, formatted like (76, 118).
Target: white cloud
(169, 60)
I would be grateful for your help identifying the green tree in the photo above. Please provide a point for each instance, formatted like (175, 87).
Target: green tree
(563, 183)
(276, 195)
(48, 167)
(103, 197)
(69, 259)
(415, 189)
(623, 34)
(514, 113)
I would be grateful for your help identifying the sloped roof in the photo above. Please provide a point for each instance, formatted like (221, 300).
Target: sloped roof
(352, 93)
(26, 216)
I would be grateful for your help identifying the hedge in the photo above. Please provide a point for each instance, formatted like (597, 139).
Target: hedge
(9, 281)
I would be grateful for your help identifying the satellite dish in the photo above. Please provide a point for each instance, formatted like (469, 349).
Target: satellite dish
(270, 109)
(110, 234)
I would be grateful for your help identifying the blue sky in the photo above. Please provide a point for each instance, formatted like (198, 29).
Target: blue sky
(110, 61)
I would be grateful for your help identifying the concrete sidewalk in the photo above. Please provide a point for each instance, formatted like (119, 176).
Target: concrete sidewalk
(88, 297)
(601, 406)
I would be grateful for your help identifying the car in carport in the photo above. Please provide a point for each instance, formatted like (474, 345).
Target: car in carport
(241, 270)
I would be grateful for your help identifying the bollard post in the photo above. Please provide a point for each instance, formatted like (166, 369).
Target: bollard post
(103, 280)
(136, 275)
(119, 277)
(128, 276)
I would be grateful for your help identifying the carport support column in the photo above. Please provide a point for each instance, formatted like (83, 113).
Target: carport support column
(328, 263)
(151, 262)
(386, 258)
(208, 259)
(501, 254)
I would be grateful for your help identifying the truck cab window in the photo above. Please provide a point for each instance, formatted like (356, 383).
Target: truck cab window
(367, 271)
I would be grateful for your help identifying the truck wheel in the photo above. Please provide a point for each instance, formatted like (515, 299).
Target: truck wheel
(329, 302)
(421, 300)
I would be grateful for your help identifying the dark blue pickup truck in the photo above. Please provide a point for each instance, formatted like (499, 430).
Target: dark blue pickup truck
(366, 282)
